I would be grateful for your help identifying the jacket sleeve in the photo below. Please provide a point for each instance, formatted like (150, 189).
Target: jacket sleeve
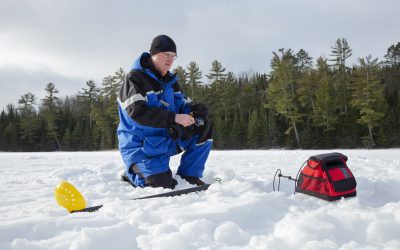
(133, 99)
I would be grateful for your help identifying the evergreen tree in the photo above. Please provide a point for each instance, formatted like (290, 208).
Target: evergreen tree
(216, 76)
(67, 140)
(393, 55)
(368, 94)
(194, 76)
(28, 121)
(88, 99)
(106, 114)
(226, 102)
(219, 132)
(324, 114)
(282, 90)
(181, 73)
(69, 115)
(110, 89)
(303, 62)
(269, 123)
(91, 110)
(9, 138)
(50, 105)
(3, 120)
(391, 78)
(341, 52)
(235, 133)
(308, 89)
(254, 130)
(307, 86)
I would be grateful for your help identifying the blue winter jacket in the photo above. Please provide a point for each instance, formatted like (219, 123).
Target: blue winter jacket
(147, 105)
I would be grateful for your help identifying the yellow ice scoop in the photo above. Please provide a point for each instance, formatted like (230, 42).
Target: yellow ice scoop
(70, 198)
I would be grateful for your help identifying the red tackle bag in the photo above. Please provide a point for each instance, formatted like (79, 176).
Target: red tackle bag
(327, 176)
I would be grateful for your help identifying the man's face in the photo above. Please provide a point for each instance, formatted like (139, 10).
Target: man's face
(163, 61)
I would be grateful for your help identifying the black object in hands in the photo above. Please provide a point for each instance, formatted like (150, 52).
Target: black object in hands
(198, 121)
(199, 111)
(187, 133)
(205, 132)
(175, 131)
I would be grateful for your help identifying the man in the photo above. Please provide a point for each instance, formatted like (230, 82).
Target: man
(157, 121)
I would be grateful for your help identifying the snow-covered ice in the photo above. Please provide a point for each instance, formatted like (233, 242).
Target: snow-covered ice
(240, 213)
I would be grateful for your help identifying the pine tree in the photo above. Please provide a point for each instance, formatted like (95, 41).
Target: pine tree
(88, 99)
(3, 124)
(111, 86)
(282, 90)
(393, 55)
(303, 62)
(324, 114)
(226, 103)
(368, 94)
(181, 73)
(10, 129)
(307, 87)
(235, 133)
(68, 116)
(269, 123)
(50, 105)
(107, 113)
(182, 79)
(391, 78)
(67, 140)
(219, 132)
(28, 121)
(194, 76)
(341, 52)
(254, 130)
(216, 76)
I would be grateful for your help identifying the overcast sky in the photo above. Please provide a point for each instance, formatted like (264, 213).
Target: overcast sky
(68, 42)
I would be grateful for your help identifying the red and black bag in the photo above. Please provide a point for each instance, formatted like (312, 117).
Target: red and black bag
(327, 176)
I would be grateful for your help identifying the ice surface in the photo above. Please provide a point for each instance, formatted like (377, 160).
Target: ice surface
(240, 213)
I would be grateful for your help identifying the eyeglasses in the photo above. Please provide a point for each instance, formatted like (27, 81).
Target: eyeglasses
(170, 56)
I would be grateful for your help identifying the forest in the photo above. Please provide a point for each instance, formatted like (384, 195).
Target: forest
(301, 102)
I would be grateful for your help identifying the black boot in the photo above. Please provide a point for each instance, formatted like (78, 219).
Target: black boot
(193, 180)
(163, 180)
(126, 179)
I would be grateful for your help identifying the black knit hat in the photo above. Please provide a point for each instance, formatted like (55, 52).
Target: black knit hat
(162, 43)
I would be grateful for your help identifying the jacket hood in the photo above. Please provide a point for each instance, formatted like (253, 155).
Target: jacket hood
(138, 63)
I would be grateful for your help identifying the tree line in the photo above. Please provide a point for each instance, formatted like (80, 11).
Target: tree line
(300, 103)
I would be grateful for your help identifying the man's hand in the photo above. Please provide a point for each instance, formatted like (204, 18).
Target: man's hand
(184, 120)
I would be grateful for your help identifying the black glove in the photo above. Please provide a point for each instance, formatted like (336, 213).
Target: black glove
(205, 132)
(175, 131)
(199, 111)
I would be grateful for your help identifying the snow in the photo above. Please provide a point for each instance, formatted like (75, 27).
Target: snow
(240, 213)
